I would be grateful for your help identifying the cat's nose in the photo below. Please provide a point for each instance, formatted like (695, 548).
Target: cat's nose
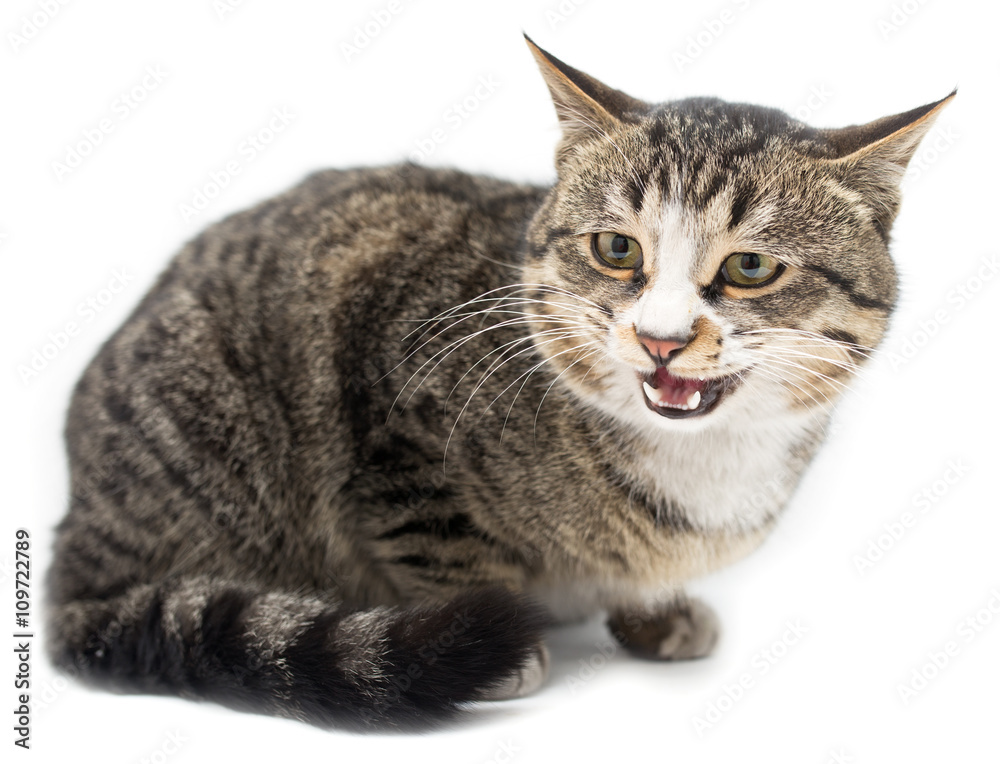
(661, 348)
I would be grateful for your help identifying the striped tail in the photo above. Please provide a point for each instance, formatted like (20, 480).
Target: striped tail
(299, 656)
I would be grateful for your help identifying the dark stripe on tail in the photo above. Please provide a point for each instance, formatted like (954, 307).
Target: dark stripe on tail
(300, 657)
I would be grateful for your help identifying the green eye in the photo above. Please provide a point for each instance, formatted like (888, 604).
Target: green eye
(616, 250)
(747, 269)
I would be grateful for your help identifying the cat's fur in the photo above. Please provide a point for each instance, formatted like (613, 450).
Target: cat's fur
(293, 493)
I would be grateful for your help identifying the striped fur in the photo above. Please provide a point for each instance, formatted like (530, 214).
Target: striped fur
(360, 442)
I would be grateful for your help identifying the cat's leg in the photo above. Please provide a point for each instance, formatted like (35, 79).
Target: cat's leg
(681, 629)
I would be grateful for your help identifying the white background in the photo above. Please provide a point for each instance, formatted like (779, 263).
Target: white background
(834, 694)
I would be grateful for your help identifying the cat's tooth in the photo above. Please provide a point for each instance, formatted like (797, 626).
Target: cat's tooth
(651, 392)
(694, 400)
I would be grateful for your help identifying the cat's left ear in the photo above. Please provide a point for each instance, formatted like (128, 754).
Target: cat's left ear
(874, 156)
(585, 106)
(890, 139)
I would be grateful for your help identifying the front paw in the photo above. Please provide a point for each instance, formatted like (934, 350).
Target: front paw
(684, 630)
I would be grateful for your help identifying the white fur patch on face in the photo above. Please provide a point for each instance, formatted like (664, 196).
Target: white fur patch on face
(670, 304)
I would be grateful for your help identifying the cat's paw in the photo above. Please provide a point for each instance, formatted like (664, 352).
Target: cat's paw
(525, 681)
(685, 630)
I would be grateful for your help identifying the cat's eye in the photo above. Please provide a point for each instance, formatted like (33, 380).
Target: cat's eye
(616, 250)
(748, 269)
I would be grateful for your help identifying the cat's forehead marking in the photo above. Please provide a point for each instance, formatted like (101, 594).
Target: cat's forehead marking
(681, 235)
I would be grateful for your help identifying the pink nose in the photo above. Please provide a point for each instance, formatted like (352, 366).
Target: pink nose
(660, 349)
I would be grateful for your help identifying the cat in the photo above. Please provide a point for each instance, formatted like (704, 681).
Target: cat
(362, 444)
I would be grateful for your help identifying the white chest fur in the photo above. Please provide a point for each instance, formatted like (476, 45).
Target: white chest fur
(734, 476)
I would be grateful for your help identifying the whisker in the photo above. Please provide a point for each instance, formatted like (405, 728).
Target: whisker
(479, 385)
(792, 354)
(532, 371)
(598, 348)
(785, 368)
(491, 371)
(819, 416)
(527, 338)
(776, 376)
(520, 288)
(450, 348)
(820, 339)
(484, 312)
(502, 300)
(452, 312)
(778, 358)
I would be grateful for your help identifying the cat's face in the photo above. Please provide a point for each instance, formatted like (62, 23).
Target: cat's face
(705, 259)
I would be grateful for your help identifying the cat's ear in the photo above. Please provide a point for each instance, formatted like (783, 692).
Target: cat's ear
(890, 139)
(585, 106)
(873, 157)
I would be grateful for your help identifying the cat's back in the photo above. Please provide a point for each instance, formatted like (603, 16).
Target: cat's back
(398, 238)
(359, 214)
(232, 375)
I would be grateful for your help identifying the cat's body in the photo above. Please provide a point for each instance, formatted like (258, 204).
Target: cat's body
(293, 492)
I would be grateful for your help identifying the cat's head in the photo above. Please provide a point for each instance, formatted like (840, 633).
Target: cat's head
(705, 259)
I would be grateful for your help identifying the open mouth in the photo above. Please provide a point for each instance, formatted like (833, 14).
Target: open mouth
(681, 397)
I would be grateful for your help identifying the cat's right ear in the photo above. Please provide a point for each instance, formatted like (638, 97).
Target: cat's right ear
(585, 106)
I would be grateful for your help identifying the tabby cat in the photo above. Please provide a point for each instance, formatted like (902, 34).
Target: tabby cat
(362, 443)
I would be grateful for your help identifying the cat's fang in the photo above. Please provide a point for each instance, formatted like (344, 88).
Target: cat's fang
(659, 398)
